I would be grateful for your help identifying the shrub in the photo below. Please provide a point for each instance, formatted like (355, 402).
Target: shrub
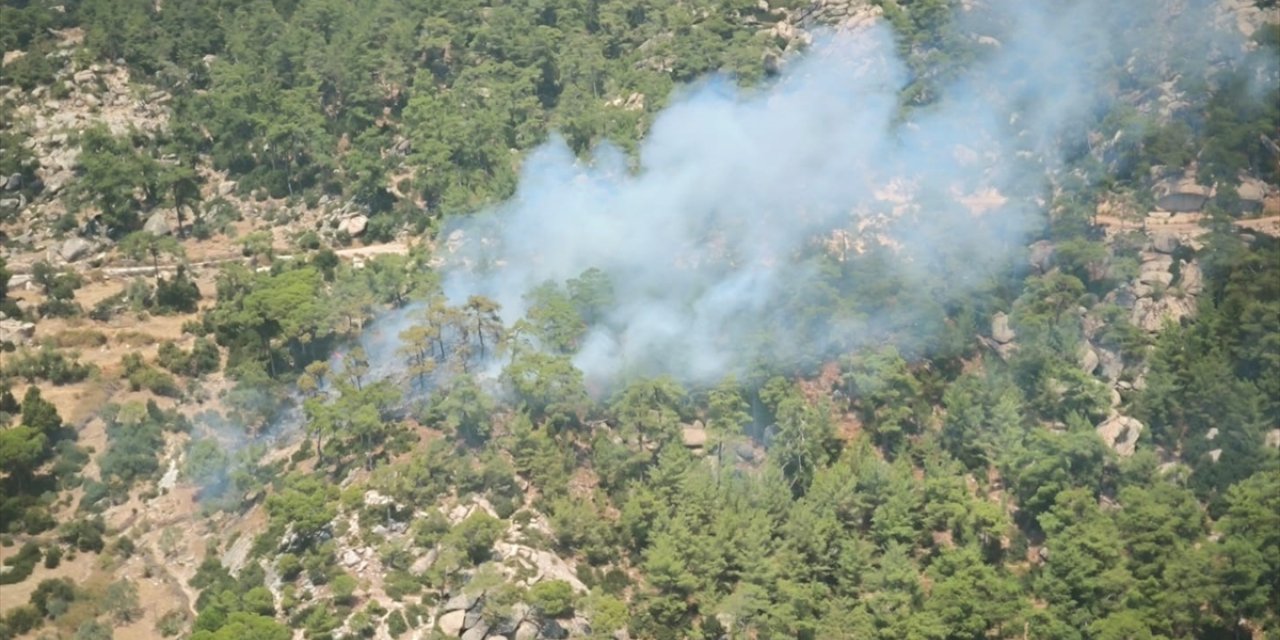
(344, 589)
(554, 598)
(22, 564)
(53, 557)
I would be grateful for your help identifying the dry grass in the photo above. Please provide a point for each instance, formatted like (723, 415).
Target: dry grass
(135, 339)
(78, 339)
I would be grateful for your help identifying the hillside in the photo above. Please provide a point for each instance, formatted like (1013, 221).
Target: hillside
(923, 319)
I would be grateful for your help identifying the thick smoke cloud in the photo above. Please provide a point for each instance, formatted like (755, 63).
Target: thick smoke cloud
(702, 234)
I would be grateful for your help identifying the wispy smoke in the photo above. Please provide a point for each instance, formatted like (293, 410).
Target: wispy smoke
(702, 235)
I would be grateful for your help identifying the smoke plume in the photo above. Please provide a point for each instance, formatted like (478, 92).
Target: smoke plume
(705, 233)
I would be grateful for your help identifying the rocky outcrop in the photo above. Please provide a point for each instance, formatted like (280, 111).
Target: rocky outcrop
(354, 226)
(451, 623)
(1181, 194)
(1000, 330)
(1040, 256)
(1150, 314)
(694, 436)
(74, 249)
(1121, 434)
(158, 224)
(1253, 196)
(17, 332)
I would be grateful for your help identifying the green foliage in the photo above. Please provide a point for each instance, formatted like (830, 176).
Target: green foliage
(47, 363)
(554, 598)
(21, 564)
(305, 505)
(476, 536)
(121, 601)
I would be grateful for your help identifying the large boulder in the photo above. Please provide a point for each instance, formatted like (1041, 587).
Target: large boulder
(1182, 194)
(74, 249)
(451, 623)
(1040, 255)
(526, 631)
(462, 601)
(15, 331)
(354, 226)
(13, 182)
(1253, 195)
(1150, 314)
(1165, 242)
(694, 436)
(158, 224)
(1000, 330)
(1121, 434)
(477, 632)
(1088, 358)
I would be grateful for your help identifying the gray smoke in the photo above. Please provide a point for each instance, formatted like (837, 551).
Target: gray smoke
(704, 233)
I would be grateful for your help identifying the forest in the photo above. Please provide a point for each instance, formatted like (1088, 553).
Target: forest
(245, 422)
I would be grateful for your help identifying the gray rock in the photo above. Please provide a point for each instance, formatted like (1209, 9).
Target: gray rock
(1000, 330)
(158, 224)
(1121, 434)
(1112, 364)
(526, 631)
(1182, 196)
(552, 630)
(74, 248)
(13, 182)
(475, 618)
(451, 623)
(694, 436)
(1191, 278)
(461, 601)
(1165, 242)
(1153, 277)
(16, 331)
(350, 558)
(478, 632)
(1041, 255)
(1253, 195)
(1088, 358)
(355, 225)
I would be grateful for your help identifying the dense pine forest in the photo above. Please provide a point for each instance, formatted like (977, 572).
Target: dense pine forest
(884, 319)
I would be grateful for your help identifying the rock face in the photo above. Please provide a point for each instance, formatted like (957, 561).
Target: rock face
(1000, 330)
(1181, 195)
(1253, 195)
(1121, 434)
(1150, 314)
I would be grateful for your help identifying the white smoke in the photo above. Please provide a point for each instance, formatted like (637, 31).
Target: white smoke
(703, 235)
